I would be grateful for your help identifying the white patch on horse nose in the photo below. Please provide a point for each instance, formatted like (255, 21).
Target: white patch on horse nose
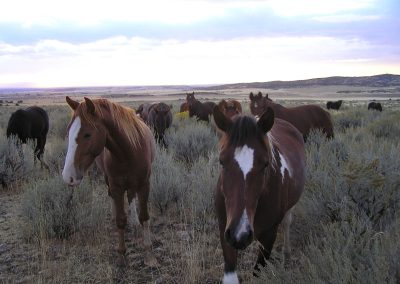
(69, 172)
(284, 166)
(243, 226)
(244, 156)
(230, 278)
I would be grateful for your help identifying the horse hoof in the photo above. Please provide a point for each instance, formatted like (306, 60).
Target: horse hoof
(151, 261)
(121, 262)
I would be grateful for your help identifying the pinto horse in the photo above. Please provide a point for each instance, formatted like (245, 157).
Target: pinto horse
(262, 178)
(334, 105)
(196, 108)
(123, 147)
(30, 123)
(230, 108)
(304, 118)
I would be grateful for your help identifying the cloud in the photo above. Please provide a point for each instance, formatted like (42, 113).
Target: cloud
(140, 61)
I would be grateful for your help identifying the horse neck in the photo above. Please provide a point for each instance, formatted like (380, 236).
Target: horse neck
(277, 108)
(117, 142)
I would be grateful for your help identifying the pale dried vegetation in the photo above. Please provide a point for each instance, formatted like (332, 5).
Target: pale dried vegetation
(346, 226)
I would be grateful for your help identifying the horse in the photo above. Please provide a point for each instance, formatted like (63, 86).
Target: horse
(202, 111)
(304, 118)
(334, 105)
(143, 111)
(30, 123)
(262, 177)
(230, 108)
(184, 107)
(375, 106)
(160, 118)
(123, 147)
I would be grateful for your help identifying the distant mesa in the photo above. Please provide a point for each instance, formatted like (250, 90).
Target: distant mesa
(384, 80)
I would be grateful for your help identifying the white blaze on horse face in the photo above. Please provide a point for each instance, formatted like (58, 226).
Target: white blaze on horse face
(230, 278)
(284, 166)
(243, 226)
(69, 172)
(244, 156)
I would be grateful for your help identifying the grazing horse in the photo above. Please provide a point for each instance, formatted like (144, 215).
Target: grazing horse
(184, 107)
(334, 105)
(261, 179)
(375, 106)
(159, 118)
(201, 110)
(30, 123)
(124, 148)
(230, 107)
(304, 118)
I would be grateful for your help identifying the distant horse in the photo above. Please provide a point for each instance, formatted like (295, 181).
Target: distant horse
(375, 106)
(184, 107)
(160, 118)
(262, 178)
(124, 148)
(202, 111)
(30, 123)
(304, 118)
(230, 108)
(334, 105)
(144, 110)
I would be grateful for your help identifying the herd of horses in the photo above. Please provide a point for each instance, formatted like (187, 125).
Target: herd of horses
(262, 159)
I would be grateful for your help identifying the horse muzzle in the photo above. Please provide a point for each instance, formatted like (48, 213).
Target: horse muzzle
(239, 239)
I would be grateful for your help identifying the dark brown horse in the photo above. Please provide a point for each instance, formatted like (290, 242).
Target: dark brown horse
(30, 123)
(304, 118)
(375, 106)
(230, 107)
(202, 111)
(334, 105)
(123, 147)
(261, 179)
(184, 107)
(160, 119)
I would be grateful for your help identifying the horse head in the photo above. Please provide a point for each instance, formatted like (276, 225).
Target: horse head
(86, 140)
(245, 158)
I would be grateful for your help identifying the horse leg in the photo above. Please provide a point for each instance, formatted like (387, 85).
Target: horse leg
(39, 151)
(230, 261)
(120, 218)
(144, 219)
(267, 240)
(287, 220)
(134, 219)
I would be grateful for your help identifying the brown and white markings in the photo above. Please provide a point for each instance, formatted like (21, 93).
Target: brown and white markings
(123, 147)
(261, 179)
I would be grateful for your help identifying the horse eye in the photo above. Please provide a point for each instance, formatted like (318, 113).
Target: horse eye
(87, 135)
(221, 163)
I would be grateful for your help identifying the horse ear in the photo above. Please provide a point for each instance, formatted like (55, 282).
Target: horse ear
(259, 95)
(90, 106)
(251, 96)
(171, 106)
(73, 104)
(266, 95)
(266, 120)
(221, 120)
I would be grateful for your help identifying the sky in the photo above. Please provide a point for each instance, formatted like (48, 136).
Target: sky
(72, 43)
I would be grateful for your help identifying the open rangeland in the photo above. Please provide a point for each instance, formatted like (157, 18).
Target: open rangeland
(346, 226)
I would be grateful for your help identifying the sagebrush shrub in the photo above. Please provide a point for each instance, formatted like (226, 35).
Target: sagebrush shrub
(53, 210)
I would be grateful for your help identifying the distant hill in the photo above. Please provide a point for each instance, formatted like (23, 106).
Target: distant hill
(384, 80)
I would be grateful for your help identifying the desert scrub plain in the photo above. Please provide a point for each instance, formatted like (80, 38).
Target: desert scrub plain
(346, 227)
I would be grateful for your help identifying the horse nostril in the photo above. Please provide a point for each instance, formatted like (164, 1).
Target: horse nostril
(228, 236)
(71, 180)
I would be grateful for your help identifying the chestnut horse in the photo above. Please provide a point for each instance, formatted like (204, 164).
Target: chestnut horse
(262, 178)
(304, 118)
(123, 147)
(230, 107)
(196, 108)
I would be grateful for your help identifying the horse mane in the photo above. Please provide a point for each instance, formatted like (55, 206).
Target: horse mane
(125, 119)
(242, 129)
